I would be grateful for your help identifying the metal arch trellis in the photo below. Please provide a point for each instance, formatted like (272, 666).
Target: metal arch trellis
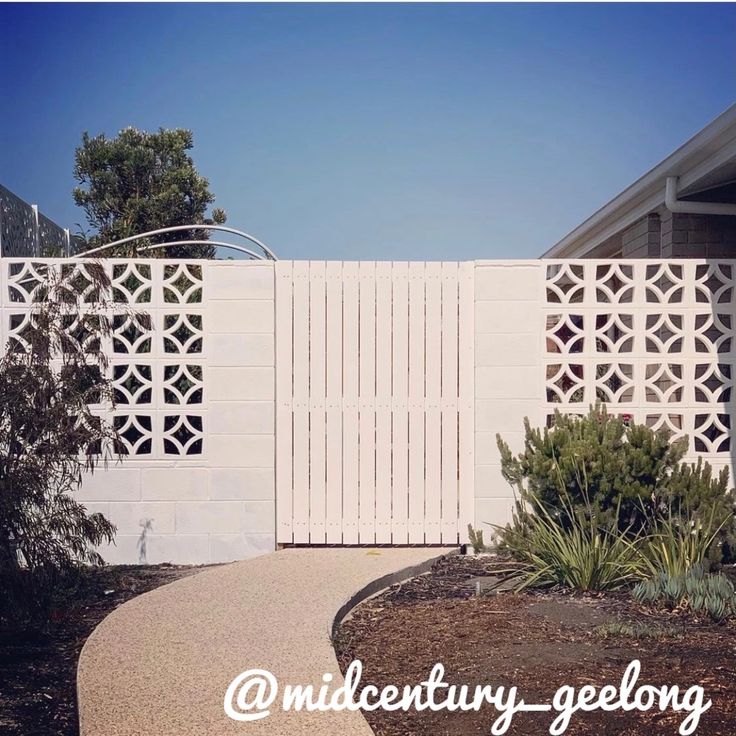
(265, 254)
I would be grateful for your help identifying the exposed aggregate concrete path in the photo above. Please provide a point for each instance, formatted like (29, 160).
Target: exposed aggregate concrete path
(161, 663)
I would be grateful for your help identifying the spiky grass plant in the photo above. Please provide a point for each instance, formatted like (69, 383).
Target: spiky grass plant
(677, 544)
(579, 554)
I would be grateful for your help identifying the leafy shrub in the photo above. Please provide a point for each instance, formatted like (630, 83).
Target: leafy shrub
(628, 476)
(52, 371)
(638, 631)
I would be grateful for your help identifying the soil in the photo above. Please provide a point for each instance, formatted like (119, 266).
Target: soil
(536, 642)
(38, 672)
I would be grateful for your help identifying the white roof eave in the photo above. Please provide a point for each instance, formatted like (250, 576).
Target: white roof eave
(712, 147)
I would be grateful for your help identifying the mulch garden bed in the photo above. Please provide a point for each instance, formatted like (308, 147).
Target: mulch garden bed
(38, 673)
(537, 642)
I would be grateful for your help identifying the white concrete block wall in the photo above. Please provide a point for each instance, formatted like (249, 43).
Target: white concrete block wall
(218, 506)
(508, 375)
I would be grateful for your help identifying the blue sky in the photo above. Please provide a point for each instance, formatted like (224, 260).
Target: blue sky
(372, 131)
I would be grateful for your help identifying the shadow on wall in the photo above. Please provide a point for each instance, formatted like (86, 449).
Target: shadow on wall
(146, 526)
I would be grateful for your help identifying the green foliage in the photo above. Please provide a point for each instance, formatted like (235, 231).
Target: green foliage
(679, 544)
(638, 631)
(50, 375)
(570, 549)
(696, 590)
(476, 539)
(141, 181)
(630, 475)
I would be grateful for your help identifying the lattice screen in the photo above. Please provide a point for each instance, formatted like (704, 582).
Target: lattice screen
(654, 340)
(157, 348)
(24, 231)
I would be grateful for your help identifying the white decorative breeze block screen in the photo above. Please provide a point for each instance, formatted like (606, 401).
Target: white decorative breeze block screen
(155, 347)
(654, 340)
(374, 394)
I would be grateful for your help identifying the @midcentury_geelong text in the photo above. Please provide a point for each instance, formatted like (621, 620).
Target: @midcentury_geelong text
(252, 694)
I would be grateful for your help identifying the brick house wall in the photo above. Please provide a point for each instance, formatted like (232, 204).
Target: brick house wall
(680, 235)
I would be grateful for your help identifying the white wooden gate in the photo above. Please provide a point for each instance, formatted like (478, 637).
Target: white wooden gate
(374, 402)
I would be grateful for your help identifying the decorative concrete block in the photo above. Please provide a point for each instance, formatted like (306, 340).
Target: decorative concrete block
(489, 511)
(251, 316)
(490, 483)
(230, 547)
(499, 415)
(241, 281)
(518, 349)
(242, 451)
(505, 382)
(506, 317)
(486, 448)
(116, 483)
(509, 283)
(131, 518)
(259, 517)
(154, 549)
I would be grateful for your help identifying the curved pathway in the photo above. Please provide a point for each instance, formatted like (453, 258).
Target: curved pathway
(161, 663)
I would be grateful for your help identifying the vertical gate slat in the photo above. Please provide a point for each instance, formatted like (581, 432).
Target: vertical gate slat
(433, 372)
(301, 402)
(416, 403)
(334, 403)
(350, 457)
(383, 402)
(284, 307)
(449, 528)
(466, 398)
(400, 400)
(367, 416)
(317, 403)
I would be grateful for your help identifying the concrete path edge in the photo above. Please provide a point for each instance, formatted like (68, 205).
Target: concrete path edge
(142, 669)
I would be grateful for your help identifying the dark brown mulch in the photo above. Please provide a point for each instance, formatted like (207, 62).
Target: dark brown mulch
(536, 642)
(38, 672)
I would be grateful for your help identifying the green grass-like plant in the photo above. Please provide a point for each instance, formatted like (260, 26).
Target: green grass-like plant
(677, 544)
(476, 539)
(580, 554)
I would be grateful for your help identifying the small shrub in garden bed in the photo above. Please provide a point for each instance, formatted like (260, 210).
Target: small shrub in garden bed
(638, 631)
(578, 553)
(476, 540)
(696, 590)
(51, 374)
(601, 504)
(629, 475)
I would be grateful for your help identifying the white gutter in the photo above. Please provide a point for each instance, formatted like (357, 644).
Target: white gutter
(695, 208)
